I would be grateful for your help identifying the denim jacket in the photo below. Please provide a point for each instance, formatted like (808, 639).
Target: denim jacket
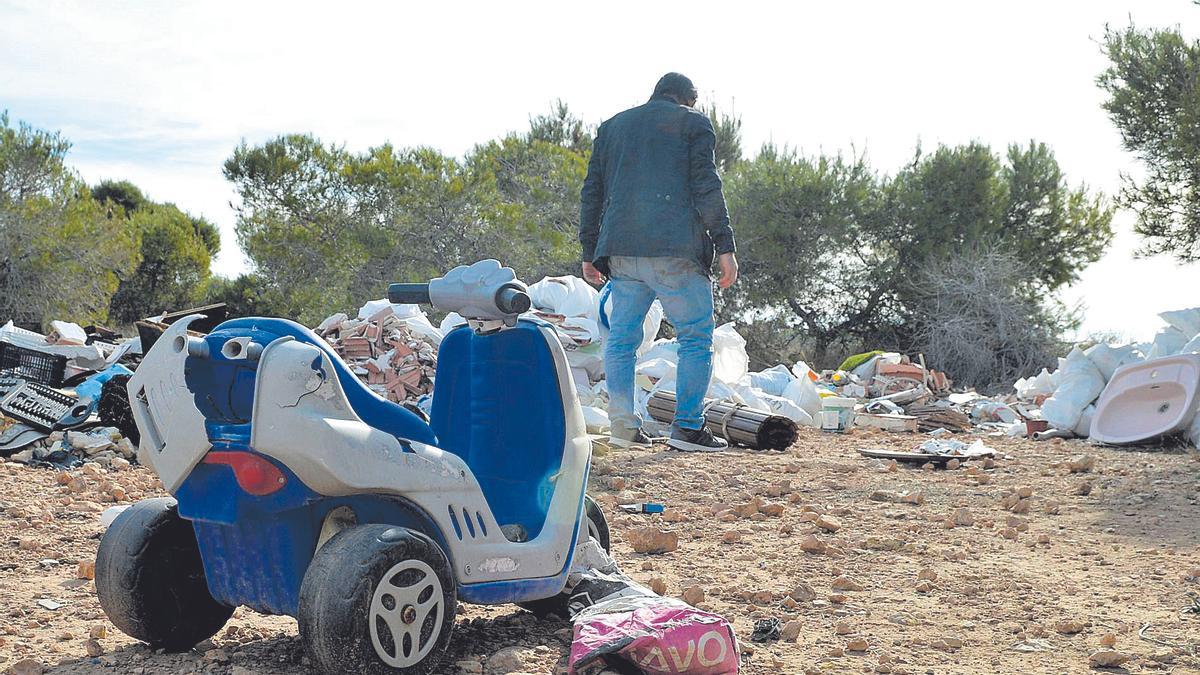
(652, 188)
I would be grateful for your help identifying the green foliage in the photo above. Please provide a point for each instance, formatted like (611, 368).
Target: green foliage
(327, 228)
(563, 129)
(245, 295)
(728, 129)
(120, 193)
(829, 248)
(174, 264)
(1153, 83)
(809, 242)
(61, 256)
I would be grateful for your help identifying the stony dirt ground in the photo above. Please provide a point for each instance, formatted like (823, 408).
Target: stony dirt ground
(1029, 564)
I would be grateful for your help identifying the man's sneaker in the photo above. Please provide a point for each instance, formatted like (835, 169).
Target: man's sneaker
(695, 440)
(636, 440)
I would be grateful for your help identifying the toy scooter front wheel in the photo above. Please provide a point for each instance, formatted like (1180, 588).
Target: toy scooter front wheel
(150, 579)
(378, 599)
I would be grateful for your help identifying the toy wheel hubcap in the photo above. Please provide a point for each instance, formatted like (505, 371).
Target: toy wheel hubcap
(406, 613)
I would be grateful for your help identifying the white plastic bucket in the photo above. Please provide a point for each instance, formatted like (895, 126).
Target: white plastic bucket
(837, 413)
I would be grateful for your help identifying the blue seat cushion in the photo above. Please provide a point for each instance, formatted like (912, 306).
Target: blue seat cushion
(497, 404)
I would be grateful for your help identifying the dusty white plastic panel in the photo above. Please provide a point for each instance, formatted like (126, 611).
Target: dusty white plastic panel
(173, 438)
(302, 418)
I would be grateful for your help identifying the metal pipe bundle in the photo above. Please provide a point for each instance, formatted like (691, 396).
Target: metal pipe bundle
(733, 422)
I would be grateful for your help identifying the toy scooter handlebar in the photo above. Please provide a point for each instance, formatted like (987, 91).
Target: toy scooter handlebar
(512, 300)
(409, 294)
(509, 299)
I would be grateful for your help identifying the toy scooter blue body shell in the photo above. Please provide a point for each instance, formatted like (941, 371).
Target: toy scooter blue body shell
(272, 447)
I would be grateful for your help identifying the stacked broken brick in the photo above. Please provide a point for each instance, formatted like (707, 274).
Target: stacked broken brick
(384, 353)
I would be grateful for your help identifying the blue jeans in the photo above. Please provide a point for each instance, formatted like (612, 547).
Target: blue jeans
(686, 296)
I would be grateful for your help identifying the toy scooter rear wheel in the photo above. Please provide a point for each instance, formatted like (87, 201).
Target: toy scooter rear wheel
(150, 578)
(598, 530)
(378, 599)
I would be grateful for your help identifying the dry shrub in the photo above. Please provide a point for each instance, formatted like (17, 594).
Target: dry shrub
(976, 317)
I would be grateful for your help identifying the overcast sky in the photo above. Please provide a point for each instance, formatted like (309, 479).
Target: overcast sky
(159, 93)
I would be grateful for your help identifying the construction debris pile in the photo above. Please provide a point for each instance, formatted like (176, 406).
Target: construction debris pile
(391, 348)
(881, 390)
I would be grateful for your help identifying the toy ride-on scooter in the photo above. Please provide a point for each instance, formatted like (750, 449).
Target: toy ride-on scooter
(298, 491)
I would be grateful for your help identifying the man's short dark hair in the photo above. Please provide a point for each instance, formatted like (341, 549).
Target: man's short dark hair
(677, 86)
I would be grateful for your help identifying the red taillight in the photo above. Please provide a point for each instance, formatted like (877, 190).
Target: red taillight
(254, 474)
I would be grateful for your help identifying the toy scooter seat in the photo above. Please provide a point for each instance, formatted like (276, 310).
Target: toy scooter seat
(498, 405)
(376, 411)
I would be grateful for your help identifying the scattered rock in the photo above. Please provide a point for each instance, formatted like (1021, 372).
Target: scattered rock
(828, 523)
(731, 537)
(858, 645)
(1069, 626)
(693, 595)
(658, 586)
(844, 583)
(803, 592)
(1107, 658)
(1081, 463)
(93, 648)
(927, 575)
(963, 518)
(813, 545)
(651, 540)
(507, 660)
(1082, 489)
(842, 628)
(1108, 640)
(86, 569)
(27, 667)
(790, 631)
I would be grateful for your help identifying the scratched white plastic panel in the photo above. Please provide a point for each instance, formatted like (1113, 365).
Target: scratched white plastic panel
(173, 438)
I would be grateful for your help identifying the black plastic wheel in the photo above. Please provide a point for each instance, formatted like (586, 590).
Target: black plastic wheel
(598, 530)
(378, 599)
(150, 579)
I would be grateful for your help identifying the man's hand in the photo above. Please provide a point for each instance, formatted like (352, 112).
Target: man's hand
(591, 274)
(729, 270)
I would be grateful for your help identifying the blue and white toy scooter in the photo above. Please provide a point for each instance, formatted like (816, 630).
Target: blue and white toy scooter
(298, 491)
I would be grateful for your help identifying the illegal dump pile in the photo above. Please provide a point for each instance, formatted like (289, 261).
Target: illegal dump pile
(62, 396)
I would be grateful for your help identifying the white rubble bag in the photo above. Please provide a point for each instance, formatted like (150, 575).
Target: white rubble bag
(567, 296)
(1081, 382)
(773, 380)
(1108, 358)
(730, 361)
(803, 392)
(1167, 342)
(1186, 321)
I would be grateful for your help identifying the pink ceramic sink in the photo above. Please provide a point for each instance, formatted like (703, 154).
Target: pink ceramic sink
(1148, 399)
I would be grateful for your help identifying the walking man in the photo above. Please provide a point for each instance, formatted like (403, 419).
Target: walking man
(652, 212)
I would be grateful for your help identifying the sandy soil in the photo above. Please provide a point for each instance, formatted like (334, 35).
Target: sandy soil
(1024, 566)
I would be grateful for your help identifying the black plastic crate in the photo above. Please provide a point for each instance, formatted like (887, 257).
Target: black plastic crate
(30, 364)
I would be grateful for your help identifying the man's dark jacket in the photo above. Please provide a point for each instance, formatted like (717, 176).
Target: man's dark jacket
(652, 188)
